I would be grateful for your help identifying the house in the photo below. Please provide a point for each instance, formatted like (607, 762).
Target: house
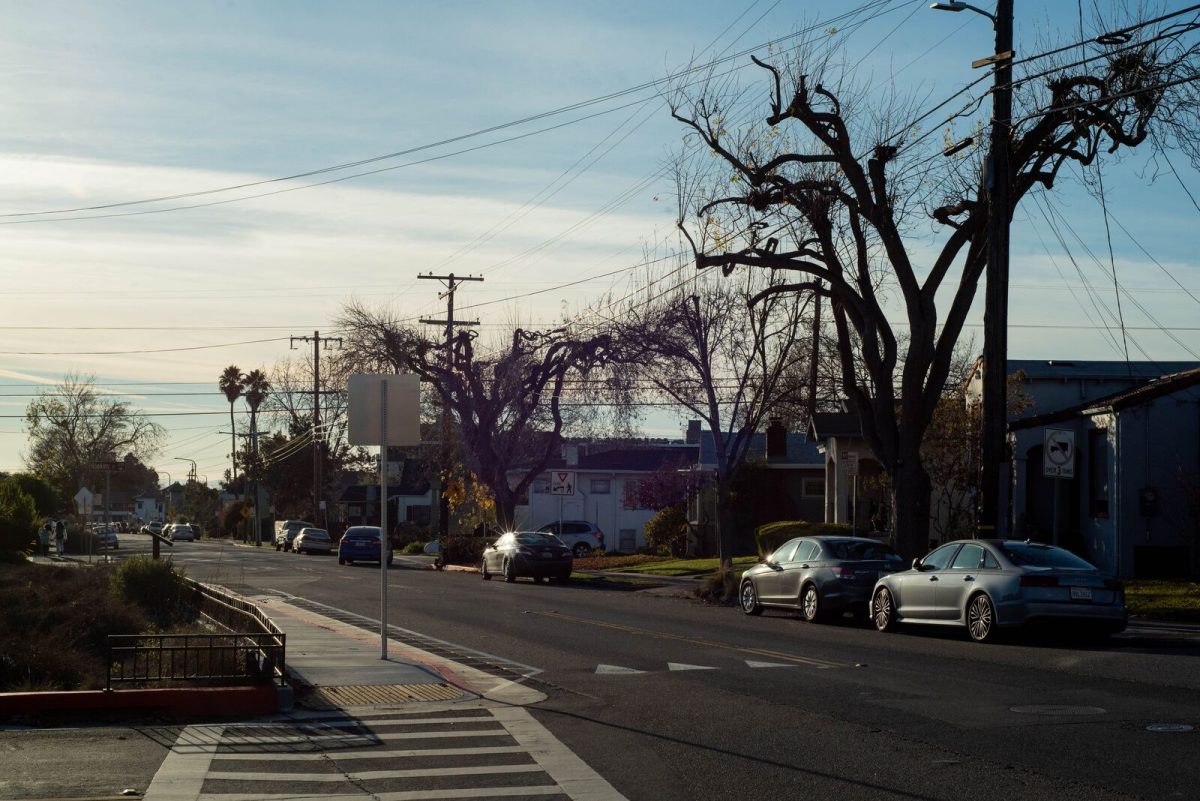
(1131, 505)
(783, 478)
(605, 480)
(850, 471)
(410, 496)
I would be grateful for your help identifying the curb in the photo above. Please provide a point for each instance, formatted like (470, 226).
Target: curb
(184, 702)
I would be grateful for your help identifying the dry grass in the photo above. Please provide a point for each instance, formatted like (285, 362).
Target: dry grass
(1163, 599)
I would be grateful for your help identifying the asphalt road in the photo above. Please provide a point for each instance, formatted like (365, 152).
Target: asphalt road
(668, 698)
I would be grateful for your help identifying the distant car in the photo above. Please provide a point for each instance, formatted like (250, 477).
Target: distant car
(312, 540)
(361, 544)
(107, 536)
(286, 531)
(819, 576)
(987, 585)
(578, 535)
(179, 532)
(153, 527)
(527, 553)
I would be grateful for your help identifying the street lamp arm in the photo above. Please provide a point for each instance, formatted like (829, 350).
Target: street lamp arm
(955, 5)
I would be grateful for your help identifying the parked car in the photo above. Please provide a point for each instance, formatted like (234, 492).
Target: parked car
(527, 553)
(820, 576)
(578, 535)
(989, 585)
(313, 540)
(361, 544)
(178, 532)
(153, 527)
(107, 537)
(286, 531)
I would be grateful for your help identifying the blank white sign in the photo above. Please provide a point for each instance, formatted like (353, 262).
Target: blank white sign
(403, 412)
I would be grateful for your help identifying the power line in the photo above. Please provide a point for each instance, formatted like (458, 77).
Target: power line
(127, 352)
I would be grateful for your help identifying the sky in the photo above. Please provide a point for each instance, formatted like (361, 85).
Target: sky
(111, 102)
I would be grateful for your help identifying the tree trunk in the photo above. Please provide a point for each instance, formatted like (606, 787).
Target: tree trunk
(911, 516)
(725, 530)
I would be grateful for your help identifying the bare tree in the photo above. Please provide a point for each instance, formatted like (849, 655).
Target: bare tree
(506, 404)
(705, 347)
(854, 197)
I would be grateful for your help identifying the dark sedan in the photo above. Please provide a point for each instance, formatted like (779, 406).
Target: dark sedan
(984, 585)
(361, 544)
(819, 576)
(527, 553)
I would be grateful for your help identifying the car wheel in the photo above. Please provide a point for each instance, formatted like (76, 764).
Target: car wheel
(483, 571)
(883, 611)
(510, 571)
(981, 618)
(341, 561)
(565, 578)
(810, 604)
(538, 579)
(749, 599)
(581, 550)
(349, 561)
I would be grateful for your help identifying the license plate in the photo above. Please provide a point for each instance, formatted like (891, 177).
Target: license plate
(1081, 593)
(547, 554)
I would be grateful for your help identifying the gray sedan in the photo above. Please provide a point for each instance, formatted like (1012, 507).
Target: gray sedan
(820, 576)
(986, 585)
(312, 540)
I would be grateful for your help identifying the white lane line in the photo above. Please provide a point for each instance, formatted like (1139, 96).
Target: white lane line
(258, 756)
(684, 666)
(372, 775)
(571, 773)
(615, 670)
(180, 777)
(283, 739)
(753, 664)
(407, 795)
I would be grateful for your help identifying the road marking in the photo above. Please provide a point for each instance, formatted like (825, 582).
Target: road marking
(373, 775)
(408, 795)
(753, 664)
(683, 666)
(181, 775)
(802, 660)
(612, 669)
(417, 753)
(283, 739)
(568, 771)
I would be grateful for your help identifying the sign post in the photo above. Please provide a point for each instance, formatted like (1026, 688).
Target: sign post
(562, 484)
(1058, 462)
(384, 410)
(850, 463)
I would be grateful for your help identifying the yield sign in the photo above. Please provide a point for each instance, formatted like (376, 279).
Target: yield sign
(562, 482)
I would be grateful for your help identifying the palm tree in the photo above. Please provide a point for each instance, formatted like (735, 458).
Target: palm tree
(257, 387)
(232, 383)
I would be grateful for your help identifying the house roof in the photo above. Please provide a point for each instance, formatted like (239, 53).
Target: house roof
(413, 480)
(1117, 401)
(634, 460)
(1112, 370)
(800, 449)
(835, 424)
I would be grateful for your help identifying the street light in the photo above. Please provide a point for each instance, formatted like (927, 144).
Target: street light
(994, 484)
(192, 474)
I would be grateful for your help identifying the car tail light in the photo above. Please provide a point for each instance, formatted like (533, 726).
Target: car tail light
(843, 572)
(599, 536)
(1039, 581)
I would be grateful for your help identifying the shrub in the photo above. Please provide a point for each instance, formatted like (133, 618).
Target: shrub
(720, 587)
(770, 536)
(406, 534)
(458, 550)
(666, 532)
(18, 517)
(155, 586)
(413, 548)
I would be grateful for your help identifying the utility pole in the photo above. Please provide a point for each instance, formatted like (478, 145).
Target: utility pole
(994, 500)
(451, 281)
(318, 436)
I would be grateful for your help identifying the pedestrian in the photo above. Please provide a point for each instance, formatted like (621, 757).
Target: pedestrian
(44, 539)
(60, 538)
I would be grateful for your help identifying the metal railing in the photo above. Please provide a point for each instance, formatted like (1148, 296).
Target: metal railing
(253, 649)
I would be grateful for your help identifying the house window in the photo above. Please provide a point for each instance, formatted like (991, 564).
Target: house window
(1098, 472)
(540, 487)
(632, 487)
(601, 486)
(813, 487)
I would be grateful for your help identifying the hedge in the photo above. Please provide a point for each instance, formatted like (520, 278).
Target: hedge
(770, 536)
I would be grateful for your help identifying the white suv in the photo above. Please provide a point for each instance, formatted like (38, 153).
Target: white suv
(579, 535)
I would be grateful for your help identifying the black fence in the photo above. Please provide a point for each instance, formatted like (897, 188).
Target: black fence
(251, 650)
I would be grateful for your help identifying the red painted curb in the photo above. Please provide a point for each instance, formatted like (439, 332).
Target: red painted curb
(184, 702)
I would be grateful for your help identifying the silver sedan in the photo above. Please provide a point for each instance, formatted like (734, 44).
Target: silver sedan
(987, 585)
(312, 540)
(820, 576)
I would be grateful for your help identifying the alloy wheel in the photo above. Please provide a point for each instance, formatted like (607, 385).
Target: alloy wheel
(810, 603)
(882, 612)
(749, 598)
(981, 619)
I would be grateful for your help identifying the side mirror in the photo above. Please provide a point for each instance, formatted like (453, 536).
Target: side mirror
(916, 565)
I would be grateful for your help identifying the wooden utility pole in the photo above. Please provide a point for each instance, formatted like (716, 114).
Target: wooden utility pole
(994, 484)
(451, 281)
(318, 436)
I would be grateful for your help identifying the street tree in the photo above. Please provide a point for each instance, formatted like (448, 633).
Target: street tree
(859, 205)
(506, 403)
(704, 346)
(72, 428)
(232, 383)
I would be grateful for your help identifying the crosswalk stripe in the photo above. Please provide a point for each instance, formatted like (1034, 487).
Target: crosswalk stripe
(407, 795)
(397, 754)
(371, 775)
(331, 723)
(283, 739)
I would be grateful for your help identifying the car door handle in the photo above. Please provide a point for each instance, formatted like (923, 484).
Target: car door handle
(933, 578)
(804, 567)
(968, 578)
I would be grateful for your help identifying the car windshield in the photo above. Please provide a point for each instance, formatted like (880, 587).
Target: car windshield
(538, 539)
(362, 534)
(1032, 554)
(857, 550)
(316, 534)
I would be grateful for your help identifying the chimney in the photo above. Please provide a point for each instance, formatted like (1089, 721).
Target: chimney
(776, 440)
(693, 433)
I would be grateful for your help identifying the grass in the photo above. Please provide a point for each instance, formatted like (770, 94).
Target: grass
(1163, 599)
(616, 562)
(687, 567)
